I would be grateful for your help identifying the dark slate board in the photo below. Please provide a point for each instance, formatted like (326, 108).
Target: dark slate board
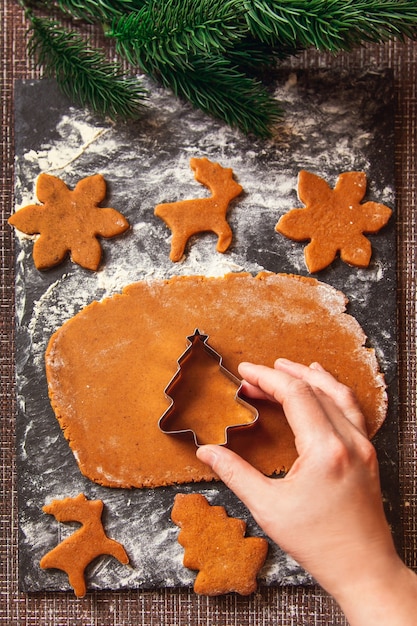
(333, 123)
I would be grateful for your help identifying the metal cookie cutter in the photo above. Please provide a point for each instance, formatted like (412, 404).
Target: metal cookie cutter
(165, 417)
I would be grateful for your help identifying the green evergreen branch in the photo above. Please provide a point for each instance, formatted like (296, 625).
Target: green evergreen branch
(197, 55)
(253, 57)
(82, 72)
(217, 88)
(330, 25)
(94, 10)
(169, 31)
(208, 51)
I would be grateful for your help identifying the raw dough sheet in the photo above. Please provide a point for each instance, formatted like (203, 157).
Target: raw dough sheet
(333, 123)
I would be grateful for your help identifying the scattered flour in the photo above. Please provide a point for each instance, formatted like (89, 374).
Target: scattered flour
(144, 165)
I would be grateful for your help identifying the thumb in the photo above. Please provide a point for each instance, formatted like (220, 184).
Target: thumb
(245, 481)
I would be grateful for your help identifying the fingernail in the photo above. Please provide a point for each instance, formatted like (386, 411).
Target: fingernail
(243, 366)
(317, 366)
(283, 363)
(207, 454)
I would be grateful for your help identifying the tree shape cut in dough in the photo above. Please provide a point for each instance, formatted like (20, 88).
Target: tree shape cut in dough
(334, 220)
(87, 543)
(216, 546)
(204, 396)
(69, 221)
(189, 217)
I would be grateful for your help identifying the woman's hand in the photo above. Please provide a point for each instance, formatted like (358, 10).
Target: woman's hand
(327, 512)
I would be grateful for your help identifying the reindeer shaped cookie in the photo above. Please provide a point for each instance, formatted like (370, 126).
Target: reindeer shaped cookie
(188, 217)
(88, 542)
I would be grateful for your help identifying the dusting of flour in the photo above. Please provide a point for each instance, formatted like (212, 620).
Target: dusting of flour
(327, 130)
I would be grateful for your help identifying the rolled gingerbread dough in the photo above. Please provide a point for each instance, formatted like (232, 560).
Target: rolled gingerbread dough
(108, 366)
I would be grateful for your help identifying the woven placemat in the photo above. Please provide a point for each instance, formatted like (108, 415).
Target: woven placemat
(289, 606)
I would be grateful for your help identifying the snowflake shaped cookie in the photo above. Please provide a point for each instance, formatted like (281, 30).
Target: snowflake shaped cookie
(334, 220)
(69, 221)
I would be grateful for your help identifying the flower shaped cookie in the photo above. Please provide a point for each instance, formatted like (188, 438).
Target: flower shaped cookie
(69, 221)
(334, 220)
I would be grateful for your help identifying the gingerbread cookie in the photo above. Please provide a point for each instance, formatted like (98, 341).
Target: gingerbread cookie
(69, 221)
(216, 546)
(188, 217)
(74, 553)
(334, 220)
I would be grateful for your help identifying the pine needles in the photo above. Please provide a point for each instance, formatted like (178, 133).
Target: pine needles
(331, 25)
(82, 72)
(244, 104)
(209, 52)
(202, 55)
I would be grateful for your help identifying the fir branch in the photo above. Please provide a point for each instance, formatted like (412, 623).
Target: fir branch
(217, 88)
(167, 32)
(93, 10)
(196, 50)
(207, 51)
(254, 57)
(330, 25)
(82, 72)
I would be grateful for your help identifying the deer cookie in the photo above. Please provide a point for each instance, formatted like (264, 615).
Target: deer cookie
(215, 544)
(189, 217)
(88, 542)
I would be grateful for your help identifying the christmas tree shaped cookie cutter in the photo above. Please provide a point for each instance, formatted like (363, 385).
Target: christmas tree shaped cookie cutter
(167, 420)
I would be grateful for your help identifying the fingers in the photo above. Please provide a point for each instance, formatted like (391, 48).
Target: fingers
(250, 486)
(302, 408)
(314, 402)
(255, 392)
(342, 396)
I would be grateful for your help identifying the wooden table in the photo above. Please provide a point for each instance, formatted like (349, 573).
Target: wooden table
(286, 605)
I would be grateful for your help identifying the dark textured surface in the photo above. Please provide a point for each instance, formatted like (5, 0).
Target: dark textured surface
(288, 605)
(327, 131)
